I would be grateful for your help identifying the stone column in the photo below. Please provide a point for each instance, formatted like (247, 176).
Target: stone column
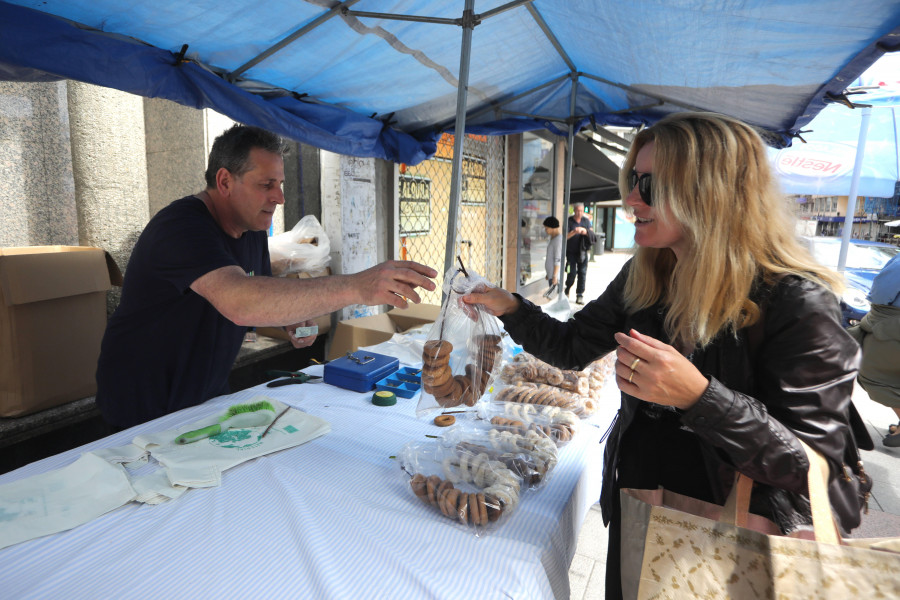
(176, 151)
(37, 191)
(109, 162)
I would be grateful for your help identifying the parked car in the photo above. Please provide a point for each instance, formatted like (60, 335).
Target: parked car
(864, 260)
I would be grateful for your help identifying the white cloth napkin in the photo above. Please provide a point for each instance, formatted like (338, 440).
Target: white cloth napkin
(62, 499)
(201, 463)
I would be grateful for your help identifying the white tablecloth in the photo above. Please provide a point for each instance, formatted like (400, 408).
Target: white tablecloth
(333, 518)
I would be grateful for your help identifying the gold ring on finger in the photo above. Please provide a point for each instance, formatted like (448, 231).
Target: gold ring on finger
(634, 364)
(630, 377)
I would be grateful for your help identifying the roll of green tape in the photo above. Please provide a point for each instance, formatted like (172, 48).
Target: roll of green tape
(383, 398)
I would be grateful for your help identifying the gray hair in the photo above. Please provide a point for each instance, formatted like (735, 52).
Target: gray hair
(231, 150)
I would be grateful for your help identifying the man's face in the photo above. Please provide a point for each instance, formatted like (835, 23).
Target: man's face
(257, 193)
(578, 211)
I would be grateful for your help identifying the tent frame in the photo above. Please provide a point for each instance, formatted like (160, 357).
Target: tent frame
(468, 22)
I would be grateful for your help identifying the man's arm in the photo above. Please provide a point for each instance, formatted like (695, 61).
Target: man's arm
(272, 302)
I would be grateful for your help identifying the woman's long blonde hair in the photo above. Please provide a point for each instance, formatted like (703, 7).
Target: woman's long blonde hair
(712, 177)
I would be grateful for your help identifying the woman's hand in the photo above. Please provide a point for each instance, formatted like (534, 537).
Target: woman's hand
(656, 372)
(493, 300)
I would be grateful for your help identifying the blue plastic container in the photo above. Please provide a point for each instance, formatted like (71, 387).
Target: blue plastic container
(360, 370)
(410, 375)
(403, 389)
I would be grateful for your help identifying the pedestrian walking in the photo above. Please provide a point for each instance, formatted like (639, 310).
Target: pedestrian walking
(879, 335)
(580, 239)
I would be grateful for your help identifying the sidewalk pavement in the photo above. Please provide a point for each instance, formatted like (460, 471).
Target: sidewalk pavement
(588, 568)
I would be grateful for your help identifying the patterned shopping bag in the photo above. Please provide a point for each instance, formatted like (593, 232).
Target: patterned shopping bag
(679, 547)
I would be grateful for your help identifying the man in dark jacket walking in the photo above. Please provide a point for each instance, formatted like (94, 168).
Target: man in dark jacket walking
(579, 239)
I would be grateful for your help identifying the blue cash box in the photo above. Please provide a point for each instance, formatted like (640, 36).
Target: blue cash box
(358, 371)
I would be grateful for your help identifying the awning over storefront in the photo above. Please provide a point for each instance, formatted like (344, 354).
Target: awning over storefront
(594, 176)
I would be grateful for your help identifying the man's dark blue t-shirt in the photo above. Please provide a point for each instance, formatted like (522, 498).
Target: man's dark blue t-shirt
(166, 347)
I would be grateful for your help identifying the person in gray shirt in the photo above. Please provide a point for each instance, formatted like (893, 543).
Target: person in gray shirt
(554, 253)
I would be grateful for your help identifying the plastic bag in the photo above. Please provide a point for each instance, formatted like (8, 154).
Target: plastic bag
(545, 395)
(468, 488)
(559, 424)
(532, 381)
(526, 368)
(529, 453)
(464, 350)
(305, 248)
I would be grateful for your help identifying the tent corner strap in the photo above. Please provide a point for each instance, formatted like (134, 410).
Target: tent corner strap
(843, 98)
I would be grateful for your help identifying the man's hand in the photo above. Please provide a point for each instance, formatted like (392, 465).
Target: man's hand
(301, 342)
(393, 282)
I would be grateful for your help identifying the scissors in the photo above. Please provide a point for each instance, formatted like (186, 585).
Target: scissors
(291, 377)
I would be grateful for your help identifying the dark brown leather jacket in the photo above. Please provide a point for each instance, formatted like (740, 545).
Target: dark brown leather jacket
(793, 379)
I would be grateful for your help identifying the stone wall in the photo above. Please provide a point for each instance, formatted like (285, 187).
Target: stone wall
(37, 189)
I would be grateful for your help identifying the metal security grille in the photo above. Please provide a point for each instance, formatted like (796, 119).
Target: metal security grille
(424, 203)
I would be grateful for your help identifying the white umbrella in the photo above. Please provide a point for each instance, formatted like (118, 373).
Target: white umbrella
(893, 223)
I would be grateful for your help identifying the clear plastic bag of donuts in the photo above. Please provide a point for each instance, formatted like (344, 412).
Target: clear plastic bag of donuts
(469, 488)
(528, 369)
(542, 394)
(530, 454)
(463, 352)
(559, 424)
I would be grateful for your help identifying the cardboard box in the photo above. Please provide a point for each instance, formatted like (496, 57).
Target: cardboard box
(52, 318)
(365, 331)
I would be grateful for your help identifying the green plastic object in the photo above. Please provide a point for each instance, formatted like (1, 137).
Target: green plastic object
(383, 398)
(238, 416)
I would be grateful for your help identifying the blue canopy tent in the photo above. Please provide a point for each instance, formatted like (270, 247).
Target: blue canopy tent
(384, 78)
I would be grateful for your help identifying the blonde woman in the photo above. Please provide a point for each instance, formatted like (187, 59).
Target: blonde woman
(727, 334)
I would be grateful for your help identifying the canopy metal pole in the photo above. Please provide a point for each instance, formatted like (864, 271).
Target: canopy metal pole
(343, 6)
(854, 185)
(567, 186)
(498, 105)
(459, 133)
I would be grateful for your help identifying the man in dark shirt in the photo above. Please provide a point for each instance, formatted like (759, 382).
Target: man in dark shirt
(579, 237)
(199, 275)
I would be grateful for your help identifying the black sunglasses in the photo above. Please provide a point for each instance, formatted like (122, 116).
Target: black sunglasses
(643, 182)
